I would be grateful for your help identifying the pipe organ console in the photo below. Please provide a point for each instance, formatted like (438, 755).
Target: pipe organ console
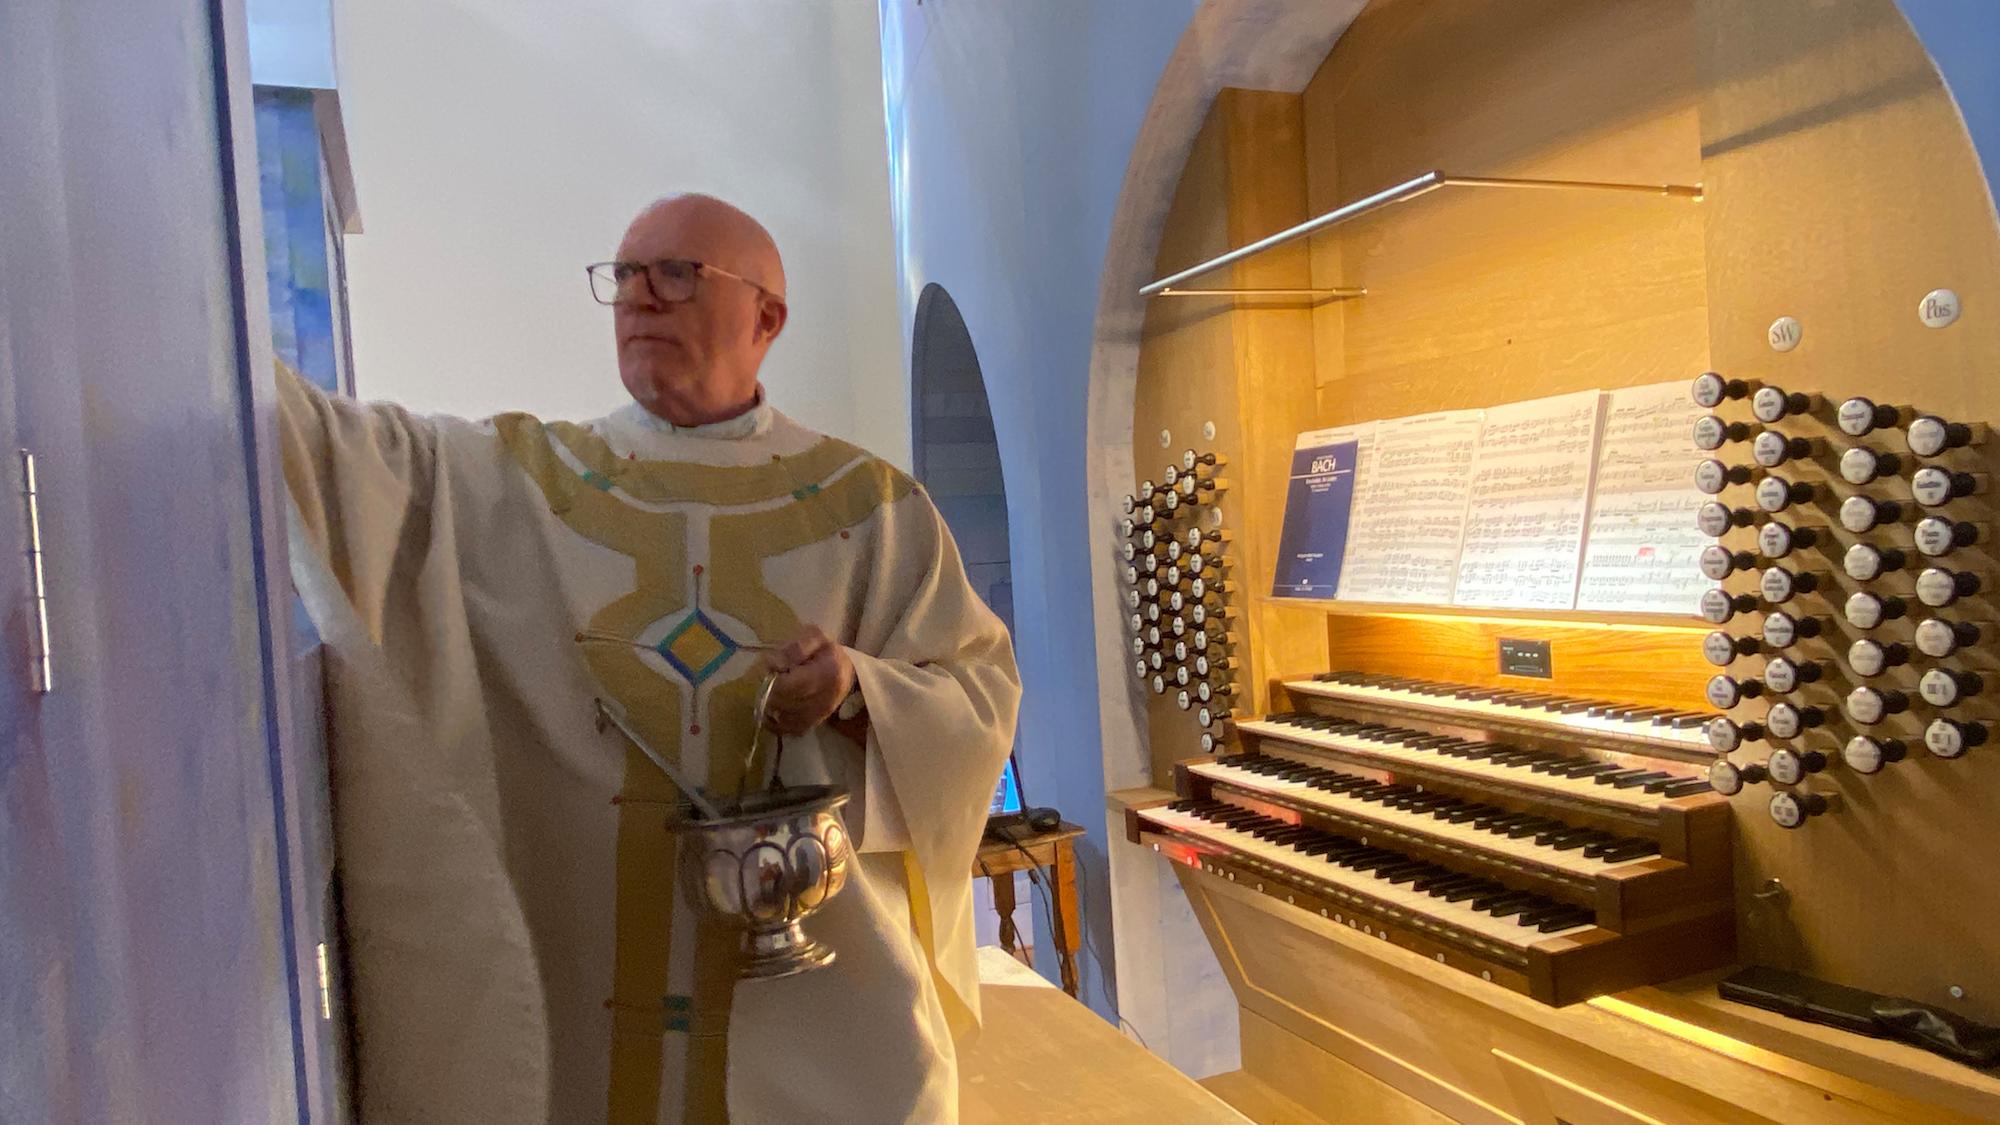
(1701, 673)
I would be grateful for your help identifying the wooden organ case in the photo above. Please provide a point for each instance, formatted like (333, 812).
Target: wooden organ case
(1838, 189)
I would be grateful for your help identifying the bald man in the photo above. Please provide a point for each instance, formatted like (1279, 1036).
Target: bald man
(522, 941)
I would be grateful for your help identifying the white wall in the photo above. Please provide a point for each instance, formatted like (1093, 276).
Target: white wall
(501, 146)
(1010, 127)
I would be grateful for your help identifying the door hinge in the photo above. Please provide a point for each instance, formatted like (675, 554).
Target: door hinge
(325, 984)
(41, 660)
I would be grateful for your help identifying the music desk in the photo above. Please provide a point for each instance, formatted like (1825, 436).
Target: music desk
(1054, 855)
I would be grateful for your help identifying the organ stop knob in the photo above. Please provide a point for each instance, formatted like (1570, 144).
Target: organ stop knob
(1938, 587)
(1872, 658)
(1865, 513)
(1858, 417)
(1728, 778)
(1868, 755)
(1789, 767)
(1784, 675)
(1865, 562)
(1934, 487)
(1939, 638)
(1772, 404)
(1771, 449)
(1776, 540)
(1789, 810)
(1718, 605)
(1711, 389)
(1861, 465)
(1725, 692)
(1775, 494)
(1950, 738)
(1714, 518)
(1712, 433)
(1931, 435)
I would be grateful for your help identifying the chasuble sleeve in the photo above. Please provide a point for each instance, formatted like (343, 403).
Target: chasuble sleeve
(361, 477)
(936, 668)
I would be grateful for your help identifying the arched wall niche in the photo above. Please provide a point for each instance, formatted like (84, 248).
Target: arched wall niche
(1841, 185)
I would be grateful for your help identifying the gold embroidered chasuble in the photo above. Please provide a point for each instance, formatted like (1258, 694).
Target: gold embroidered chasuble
(519, 949)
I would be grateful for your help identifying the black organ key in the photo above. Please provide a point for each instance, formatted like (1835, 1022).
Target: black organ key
(1586, 769)
(1634, 782)
(1630, 850)
(1687, 788)
(1576, 916)
(1611, 776)
(1468, 890)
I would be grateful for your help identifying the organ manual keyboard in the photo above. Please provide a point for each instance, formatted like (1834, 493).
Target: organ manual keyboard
(1571, 857)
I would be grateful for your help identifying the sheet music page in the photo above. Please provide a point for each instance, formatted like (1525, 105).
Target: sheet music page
(1641, 552)
(1409, 509)
(1529, 500)
(1319, 502)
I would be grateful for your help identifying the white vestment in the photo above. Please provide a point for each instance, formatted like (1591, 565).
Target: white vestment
(519, 952)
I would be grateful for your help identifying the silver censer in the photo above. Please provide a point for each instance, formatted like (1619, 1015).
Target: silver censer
(764, 859)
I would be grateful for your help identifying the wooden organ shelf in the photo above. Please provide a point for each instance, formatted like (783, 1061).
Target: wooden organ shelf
(1439, 891)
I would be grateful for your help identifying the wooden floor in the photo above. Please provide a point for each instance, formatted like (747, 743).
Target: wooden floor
(1045, 1059)
(1258, 1102)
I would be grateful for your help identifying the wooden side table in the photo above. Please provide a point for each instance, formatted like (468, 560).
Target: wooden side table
(1054, 854)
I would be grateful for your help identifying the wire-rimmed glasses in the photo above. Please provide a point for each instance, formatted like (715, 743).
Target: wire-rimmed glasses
(670, 280)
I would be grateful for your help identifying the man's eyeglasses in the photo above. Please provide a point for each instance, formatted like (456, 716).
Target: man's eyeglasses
(670, 280)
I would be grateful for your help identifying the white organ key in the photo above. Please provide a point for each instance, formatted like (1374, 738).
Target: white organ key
(1641, 730)
(1464, 835)
(1501, 931)
(1389, 752)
